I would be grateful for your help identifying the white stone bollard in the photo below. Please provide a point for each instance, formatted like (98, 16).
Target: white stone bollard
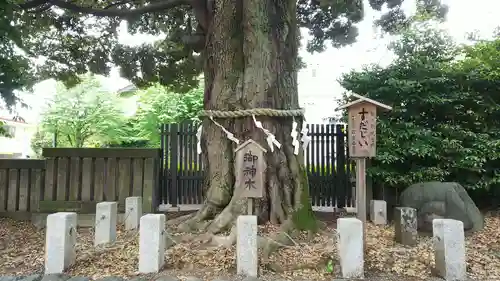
(350, 247)
(133, 212)
(152, 243)
(449, 249)
(246, 246)
(60, 242)
(105, 223)
(378, 212)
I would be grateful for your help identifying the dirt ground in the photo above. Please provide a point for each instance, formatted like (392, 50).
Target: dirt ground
(22, 252)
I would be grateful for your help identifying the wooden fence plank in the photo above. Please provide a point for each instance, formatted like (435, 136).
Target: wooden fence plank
(50, 179)
(24, 189)
(328, 166)
(87, 179)
(173, 160)
(36, 188)
(166, 167)
(13, 190)
(74, 179)
(99, 174)
(110, 179)
(4, 179)
(322, 165)
(341, 169)
(333, 190)
(124, 178)
(148, 185)
(62, 178)
(138, 174)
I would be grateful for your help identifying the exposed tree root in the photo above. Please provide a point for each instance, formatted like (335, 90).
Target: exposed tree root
(178, 220)
(281, 239)
(198, 222)
(272, 266)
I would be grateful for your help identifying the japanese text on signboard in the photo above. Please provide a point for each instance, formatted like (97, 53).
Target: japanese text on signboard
(249, 169)
(362, 130)
(366, 129)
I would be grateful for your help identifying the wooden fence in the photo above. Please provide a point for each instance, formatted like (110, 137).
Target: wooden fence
(329, 170)
(21, 181)
(76, 179)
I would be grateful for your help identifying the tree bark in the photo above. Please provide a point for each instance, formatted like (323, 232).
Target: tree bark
(251, 62)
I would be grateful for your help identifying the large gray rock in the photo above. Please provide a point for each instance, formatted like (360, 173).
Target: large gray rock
(435, 200)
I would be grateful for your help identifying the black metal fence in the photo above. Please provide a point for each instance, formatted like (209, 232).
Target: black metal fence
(328, 167)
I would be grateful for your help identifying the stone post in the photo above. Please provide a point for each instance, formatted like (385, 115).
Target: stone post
(60, 242)
(133, 212)
(449, 249)
(378, 212)
(350, 247)
(152, 243)
(246, 246)
(405, 225)
(105, 223)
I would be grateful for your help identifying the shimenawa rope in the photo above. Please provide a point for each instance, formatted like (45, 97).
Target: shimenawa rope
(252, 112)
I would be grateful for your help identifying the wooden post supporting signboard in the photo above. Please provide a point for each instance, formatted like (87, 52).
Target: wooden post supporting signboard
(362, 135)
(250, 167)
(361, 189)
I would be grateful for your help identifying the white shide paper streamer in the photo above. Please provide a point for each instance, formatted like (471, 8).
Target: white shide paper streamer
(305, 138)
(229, 135)
(198, 136)
(271, 139)
(294, 135)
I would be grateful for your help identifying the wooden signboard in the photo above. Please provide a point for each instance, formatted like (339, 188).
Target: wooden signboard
(362, 133)
(250, 169)
(362, 136)
(362, 126)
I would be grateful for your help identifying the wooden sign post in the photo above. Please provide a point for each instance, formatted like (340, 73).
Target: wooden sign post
(250, 168)
(362, 140)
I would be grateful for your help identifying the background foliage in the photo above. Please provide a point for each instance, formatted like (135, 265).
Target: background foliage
(39, 41)
(3, 132)
(159, 105)
(445, 120)
(87, 116)
(83, 115)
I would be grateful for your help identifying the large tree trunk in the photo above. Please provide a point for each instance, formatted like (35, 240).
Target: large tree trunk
(251, 62)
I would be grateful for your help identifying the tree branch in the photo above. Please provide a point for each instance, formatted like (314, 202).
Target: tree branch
(33, 4)
(120, 13)
(201, 13)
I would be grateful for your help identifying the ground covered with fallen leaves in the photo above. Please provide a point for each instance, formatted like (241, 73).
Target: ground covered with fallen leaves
(22, 252)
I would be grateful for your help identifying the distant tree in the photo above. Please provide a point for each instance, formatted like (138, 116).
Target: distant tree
(84, 113)
(444, 124)
(159, 105)
(3, 132)
(42, 139)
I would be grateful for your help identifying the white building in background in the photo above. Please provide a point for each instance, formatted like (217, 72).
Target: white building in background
(18, 145)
